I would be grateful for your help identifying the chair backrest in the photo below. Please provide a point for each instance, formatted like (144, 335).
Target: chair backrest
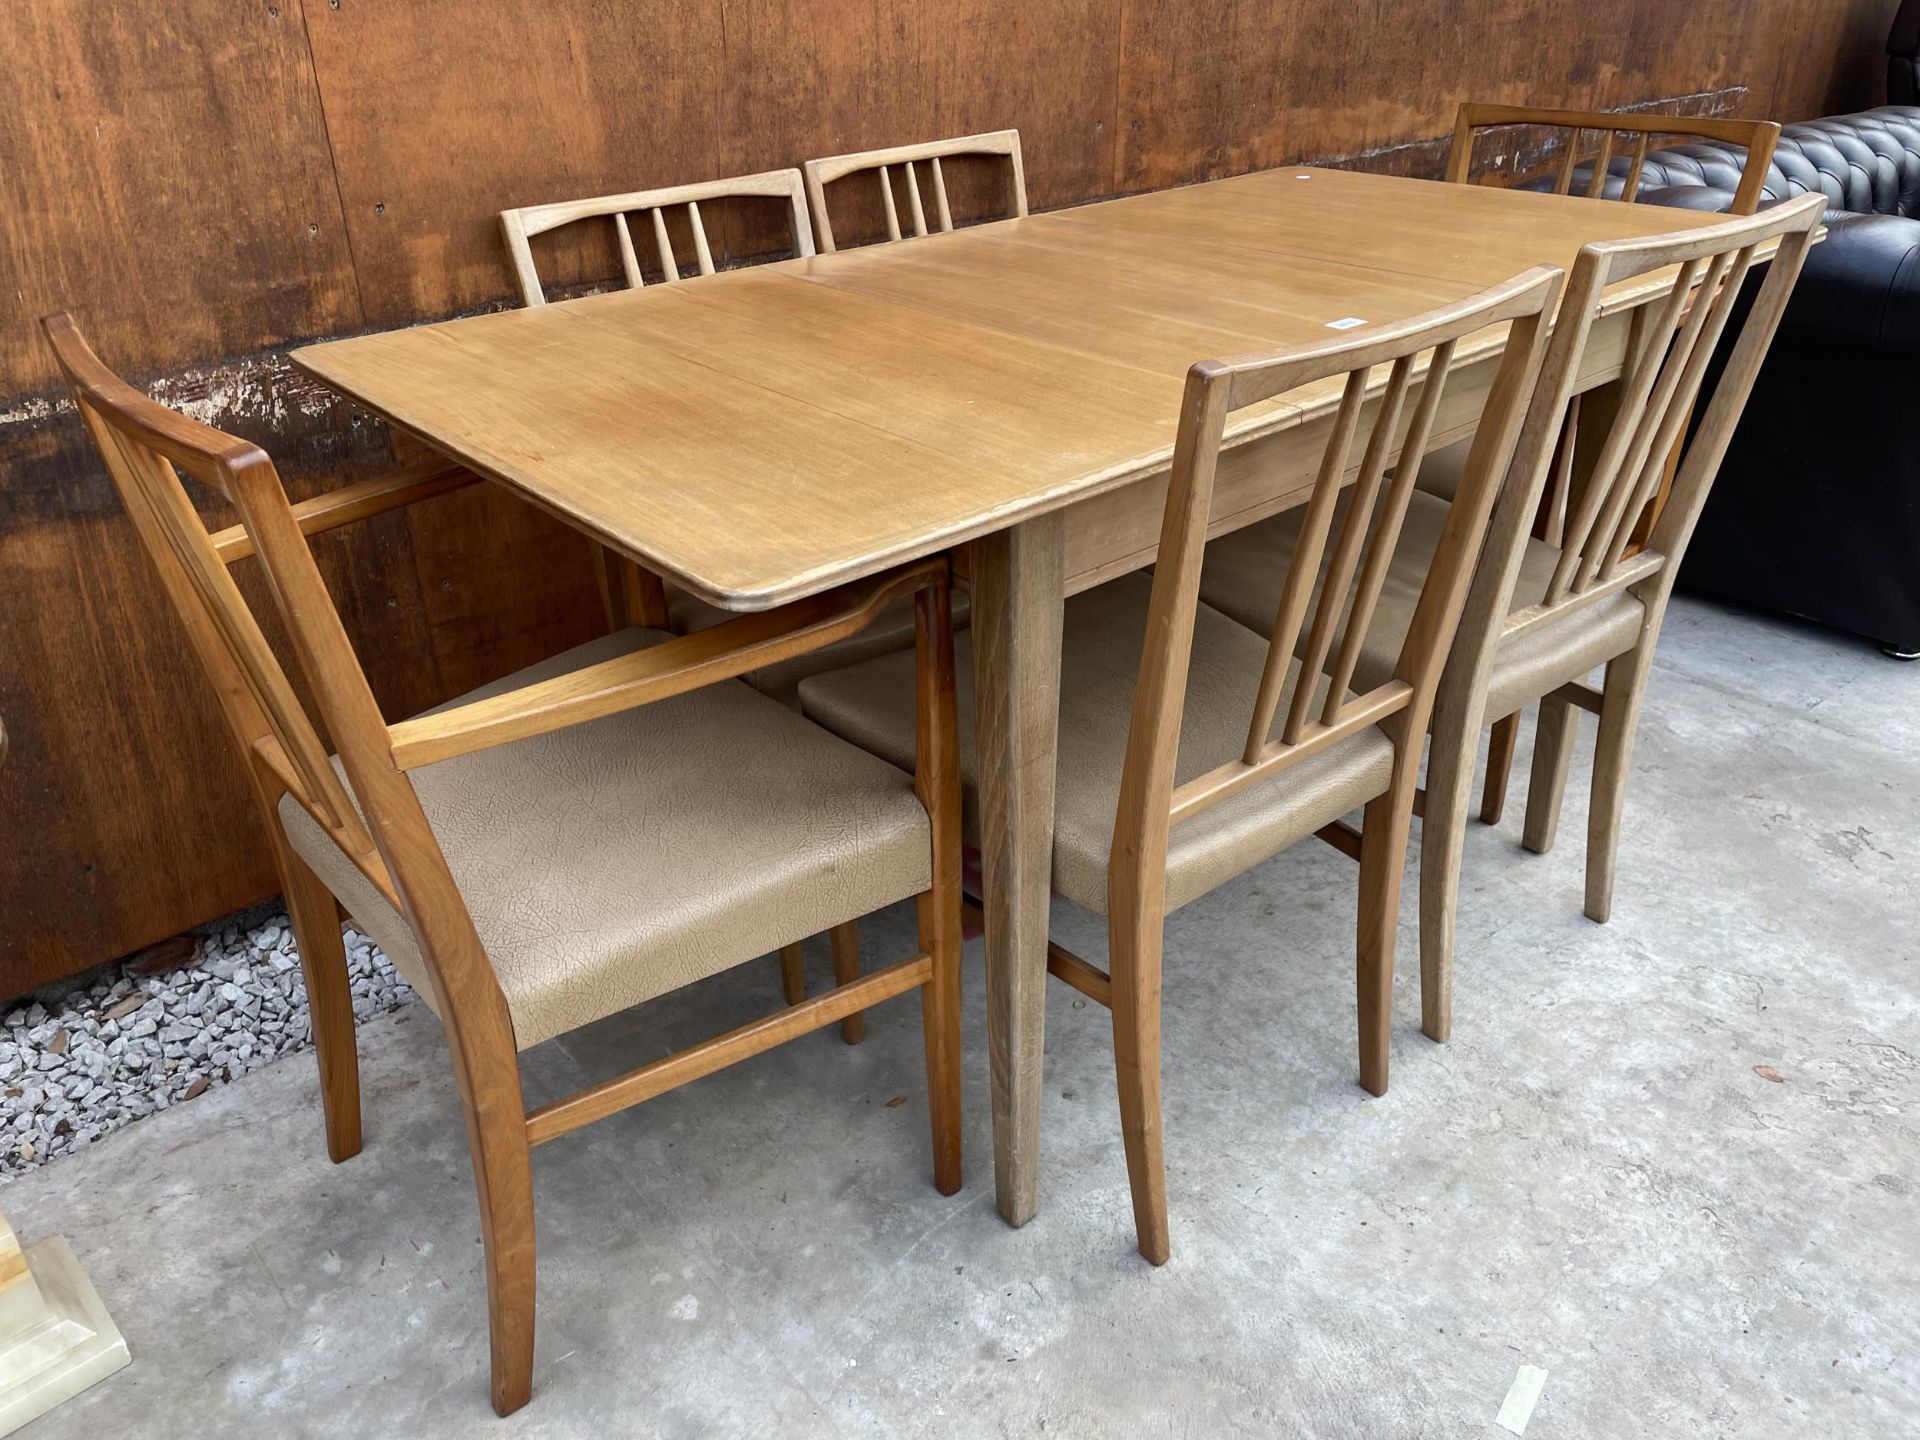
(148, 448)
(1667, 361)
(1003, 146)
(1602, 166)
(1319, 594)
(519, 226)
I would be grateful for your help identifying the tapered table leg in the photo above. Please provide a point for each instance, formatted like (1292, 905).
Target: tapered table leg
(1018, 585)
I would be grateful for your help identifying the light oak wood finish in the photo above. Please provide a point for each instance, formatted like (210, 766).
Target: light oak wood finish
(1002, 146)
(631, 594)
(1593, 565)
(1758, 137)
(746, 437)
(1608, 127)
(382, 124)
(1327, 610)
(383, 830)
(1017, 579)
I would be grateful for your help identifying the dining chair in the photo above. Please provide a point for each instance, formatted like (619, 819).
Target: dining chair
(577, 838)
(1542, 616)
(1192, 748)
(1605, 172)
(1002, 147)
(633, 594)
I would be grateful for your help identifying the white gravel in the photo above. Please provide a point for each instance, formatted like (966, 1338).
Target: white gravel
(122, 1047)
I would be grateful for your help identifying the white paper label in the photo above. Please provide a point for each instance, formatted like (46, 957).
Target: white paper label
(1352, 322)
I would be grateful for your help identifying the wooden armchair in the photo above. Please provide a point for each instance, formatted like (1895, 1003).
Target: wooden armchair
(632, 758)
(1003, 146)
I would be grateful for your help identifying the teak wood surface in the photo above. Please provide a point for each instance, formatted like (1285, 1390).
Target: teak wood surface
(1015, 386)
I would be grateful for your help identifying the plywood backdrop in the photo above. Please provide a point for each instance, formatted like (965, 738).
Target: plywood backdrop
(208, 182)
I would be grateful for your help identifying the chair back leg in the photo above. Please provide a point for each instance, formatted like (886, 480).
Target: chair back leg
(1135, 933)
(1505, 737)
(316, 917)
(1553, 737)
(845, 941)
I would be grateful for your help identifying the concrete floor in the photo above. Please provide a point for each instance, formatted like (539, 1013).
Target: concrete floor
(1591, 1178)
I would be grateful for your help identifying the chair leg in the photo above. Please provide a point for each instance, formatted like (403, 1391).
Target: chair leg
(1383, 853)
(1134, 941)
(1506, 736)
(315, 914)
(940, 1025)
(503, 1176)
(1553, 737)
(793, 973)
(1443, 838)
(1613, 751)
(845, 940)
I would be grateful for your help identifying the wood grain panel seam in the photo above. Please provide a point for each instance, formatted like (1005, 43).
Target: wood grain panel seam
(333, 165)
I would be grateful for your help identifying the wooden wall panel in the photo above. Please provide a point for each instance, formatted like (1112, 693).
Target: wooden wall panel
(208, 182)
(164, 171)
(1247, 84)
(441, 116)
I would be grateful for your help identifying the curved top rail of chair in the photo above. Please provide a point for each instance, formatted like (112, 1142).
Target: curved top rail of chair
(207, 454)
(1264, 374)
(989, 142)
(770, 184)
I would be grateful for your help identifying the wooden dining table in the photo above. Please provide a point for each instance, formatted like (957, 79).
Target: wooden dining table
(1007, 393)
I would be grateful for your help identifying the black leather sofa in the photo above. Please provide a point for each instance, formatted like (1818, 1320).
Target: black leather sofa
(1817, 509)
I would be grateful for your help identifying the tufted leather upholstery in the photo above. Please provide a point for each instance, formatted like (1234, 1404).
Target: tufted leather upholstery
(1817, 508)
(893, 630)
(1865, 164)
(611, 862)
(1244, 572)
(1099, 664)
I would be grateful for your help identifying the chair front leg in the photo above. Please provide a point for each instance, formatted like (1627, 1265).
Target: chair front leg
(487, 1068)
(1626, 682)
(1443, 838)
(1383, 857)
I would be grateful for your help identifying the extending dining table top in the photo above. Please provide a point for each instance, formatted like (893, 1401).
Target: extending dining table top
(766, 433)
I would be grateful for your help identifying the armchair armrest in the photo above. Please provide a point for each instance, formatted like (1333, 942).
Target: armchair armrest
(364, 498)
(673, 667)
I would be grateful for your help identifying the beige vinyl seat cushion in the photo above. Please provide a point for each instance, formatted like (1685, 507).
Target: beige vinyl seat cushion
(1245, 569)
(613, 861)
(891, 630)
(1100, 663)
(1440, 472)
